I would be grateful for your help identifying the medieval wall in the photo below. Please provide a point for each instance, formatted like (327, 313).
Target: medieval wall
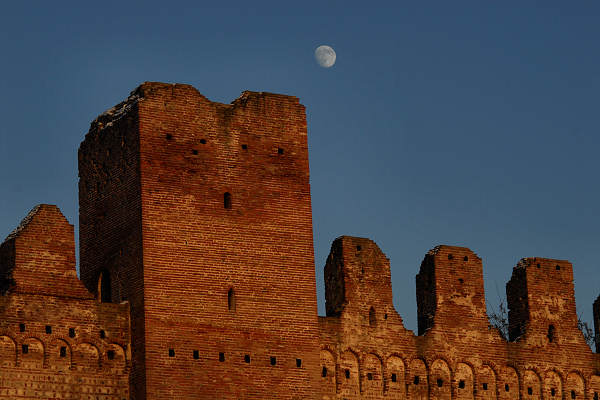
(367, 353)
(203, 211)
(197, 260)
(56, 340)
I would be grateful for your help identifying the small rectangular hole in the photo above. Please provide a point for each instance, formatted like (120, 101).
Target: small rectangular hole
(71, 332)
(195, 152)
(221, 357)
(324, 372)
(48, 329)
(102, 334)
(21, 327)
(370, 376)
(63, 351)
(196, 354)
(171, 352)
(247, 358)
(298, 363)
(110, 354)
(245, 147)
(279, 150)
(25, 349)
(394, 378)
(273, 360)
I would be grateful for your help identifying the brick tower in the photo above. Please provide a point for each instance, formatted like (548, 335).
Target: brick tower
(199, 214)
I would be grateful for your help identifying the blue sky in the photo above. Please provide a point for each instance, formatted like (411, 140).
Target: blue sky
(464, 123)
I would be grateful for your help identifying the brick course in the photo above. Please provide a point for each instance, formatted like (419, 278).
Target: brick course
(198, 281)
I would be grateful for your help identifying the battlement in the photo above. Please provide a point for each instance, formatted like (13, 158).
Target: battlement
(541, 301)
(198, 280)
(450, 283)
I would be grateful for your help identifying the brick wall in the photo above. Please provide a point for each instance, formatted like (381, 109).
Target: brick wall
(198, 281)
(458, 355)
(186, 154)
(56, 340)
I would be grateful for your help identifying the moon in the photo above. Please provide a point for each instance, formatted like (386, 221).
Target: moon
(325, 56)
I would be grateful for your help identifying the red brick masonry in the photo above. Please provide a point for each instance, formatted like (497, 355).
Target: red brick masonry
(198, 280)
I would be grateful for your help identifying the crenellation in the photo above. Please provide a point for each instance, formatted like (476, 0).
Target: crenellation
(597, 323)
(198, 281)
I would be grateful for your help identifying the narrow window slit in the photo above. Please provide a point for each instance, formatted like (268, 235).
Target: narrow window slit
(394, 378)
(461, 384)
(110, 354)
(227, 200)
(171, 352)
(273, 360)
(48, 329)
(324, 372)
(298, 363)
(221, 357)
(25, 349)
(63, 351)
(247, 358)
(231, 299)
(71, 332)
(196, 354)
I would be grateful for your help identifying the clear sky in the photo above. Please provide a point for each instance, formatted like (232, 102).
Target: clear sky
(465, 123)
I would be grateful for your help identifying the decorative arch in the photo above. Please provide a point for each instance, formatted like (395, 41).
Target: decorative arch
(418, 388)
(594, 387)
(328, 381)
(349, 375)
(86, 357)
(532, 388)
(463, 381)
(487, 383)
(395, 369)
(440, 380)
(114, 358)
(59, 355)
(8, 351)
(372, 376)
(553, 386)
(575, 386)
(32, 353)
(508, 387)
